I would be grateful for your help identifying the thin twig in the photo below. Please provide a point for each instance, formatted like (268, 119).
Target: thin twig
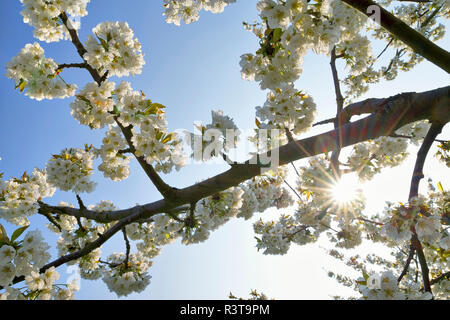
(445, 275)
(407, 263)
(127, 245)
(293, 190)
(51, 220)
(338, 123)
(83, 65)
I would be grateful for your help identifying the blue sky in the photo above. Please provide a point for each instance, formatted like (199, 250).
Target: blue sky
(191, 69)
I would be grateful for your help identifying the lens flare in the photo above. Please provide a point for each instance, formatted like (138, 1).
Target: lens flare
(345, 190)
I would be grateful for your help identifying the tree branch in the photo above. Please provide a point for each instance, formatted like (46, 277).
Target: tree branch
(434, 104)
(127, 247)
(405, 108)
(51, 220)
(415, 40)
(151, 210)
(434, 131)
(165, 190)
(441, 277)
(80, 48)
(339, 121)
(407, 263)
(162, 187)
(83, 65)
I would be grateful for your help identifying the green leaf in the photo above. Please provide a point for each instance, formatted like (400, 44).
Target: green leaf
(159, 135)
(18, 232)
(153, 109)
(3, 234)
(104, 43)
(83, 98)
(81, 233)
(258, 123)
(365, 276)
(308, 194)
(277, 34)
(21, 85)
(158, 105)
(439, 185)
(167, 138)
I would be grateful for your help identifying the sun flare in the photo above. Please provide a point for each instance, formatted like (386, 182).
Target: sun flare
(346, 189)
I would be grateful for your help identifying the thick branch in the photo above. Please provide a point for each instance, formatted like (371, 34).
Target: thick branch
(404, 109)
(415, 40)
(412, 107)
(151, 210)
(434, 104)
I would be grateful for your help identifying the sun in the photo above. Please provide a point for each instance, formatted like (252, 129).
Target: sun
(345, 190)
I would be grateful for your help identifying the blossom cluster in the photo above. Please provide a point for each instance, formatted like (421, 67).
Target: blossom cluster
(115, 165)
(369, 158)
(263, 192)
(211, 213)
(39, 75)
(122, 274)
(276, 237)
(25, 258)
(287, 31)
(76, 234)
(286, 108)
(150, 136)
(114, 49)
(19, 196)
(130, 276)
(71, 169)
(45, 17)
(425, 216)
(108, 105)
(188, 10)
(384, 286)
(93, 105)
(215, 138)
